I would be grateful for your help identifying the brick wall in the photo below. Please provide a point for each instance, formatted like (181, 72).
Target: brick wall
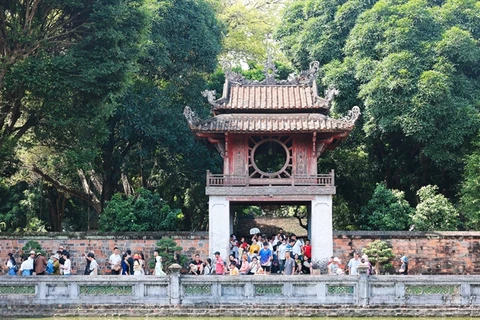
(79, 244)
(428, 252)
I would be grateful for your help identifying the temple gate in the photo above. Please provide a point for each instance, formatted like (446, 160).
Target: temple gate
(270, 135)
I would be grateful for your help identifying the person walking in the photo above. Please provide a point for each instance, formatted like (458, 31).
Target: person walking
(207, 268)
(67, 264)
(281, 249)
(56, 264)
(12, 267)
(404, 266)
(115, 262)
(25, 268)
(125, 265)
(40, 264)
(87, 266)
(289, 267)
(30, 264)
(353, 264)
(93, 269)
(137, 266)
(219, 264)
(158, 264)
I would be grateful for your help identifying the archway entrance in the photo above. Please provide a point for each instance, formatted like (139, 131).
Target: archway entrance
(318, 219)
(270, 218)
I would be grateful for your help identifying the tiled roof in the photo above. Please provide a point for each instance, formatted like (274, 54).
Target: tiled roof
(272, 97)
(247, 123)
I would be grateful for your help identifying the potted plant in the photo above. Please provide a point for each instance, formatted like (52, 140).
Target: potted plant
(378, 253)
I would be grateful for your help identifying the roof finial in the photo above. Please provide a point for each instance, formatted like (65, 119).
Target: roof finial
(270, 71)
(314, 66)
(226, 67)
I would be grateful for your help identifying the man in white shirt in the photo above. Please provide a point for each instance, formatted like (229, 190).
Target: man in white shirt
(297, 247)
(353, 264)
(115, 261)
(281, 249)
(31, 262)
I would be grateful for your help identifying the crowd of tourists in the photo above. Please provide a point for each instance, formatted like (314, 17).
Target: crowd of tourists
(59, 263)
(35, 263)
(279, 254)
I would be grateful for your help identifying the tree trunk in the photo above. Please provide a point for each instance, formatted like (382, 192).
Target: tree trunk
(57, 202)
(377, 268)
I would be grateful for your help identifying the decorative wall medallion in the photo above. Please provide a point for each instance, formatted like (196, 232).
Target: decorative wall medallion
(270, 157)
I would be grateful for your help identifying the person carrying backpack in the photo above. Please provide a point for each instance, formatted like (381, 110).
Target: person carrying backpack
(49, 269)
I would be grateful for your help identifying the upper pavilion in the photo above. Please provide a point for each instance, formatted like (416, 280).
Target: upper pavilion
(271, 133)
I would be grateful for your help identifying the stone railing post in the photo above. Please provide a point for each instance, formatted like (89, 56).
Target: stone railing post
(175, 284)
(362, 295)
(41, 290)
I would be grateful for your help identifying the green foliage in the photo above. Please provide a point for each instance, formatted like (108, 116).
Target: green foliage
(413, 68)
(32, 245)
(75, 55)
(110, 105)
(434, 212)
(249, 27)
(317, 30)
(388, 268)
(33, 225)
(354, 178)
(470, 189)
(387, 210)
(378, 253)
(145, 211)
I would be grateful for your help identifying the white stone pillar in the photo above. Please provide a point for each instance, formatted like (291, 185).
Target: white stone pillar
(320, 227)
(219, 226)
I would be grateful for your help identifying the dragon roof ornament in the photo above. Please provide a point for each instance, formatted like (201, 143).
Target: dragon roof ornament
(191, 117)
(352, 115)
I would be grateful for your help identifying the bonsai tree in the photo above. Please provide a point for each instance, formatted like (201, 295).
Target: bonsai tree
(378, 253)
(32, 245)
(170, 253)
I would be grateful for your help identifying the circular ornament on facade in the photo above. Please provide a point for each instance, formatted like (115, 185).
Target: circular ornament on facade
(270, 157)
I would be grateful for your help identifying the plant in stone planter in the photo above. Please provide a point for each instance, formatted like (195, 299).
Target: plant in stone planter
(388, 268)
(170, 253)
(378, 253)
(317, 266)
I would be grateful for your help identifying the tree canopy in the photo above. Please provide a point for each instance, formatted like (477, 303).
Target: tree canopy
(92, 94)
(413, 67)
(109, 116)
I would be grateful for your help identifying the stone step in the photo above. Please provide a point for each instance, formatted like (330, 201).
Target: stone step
(209, 310)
